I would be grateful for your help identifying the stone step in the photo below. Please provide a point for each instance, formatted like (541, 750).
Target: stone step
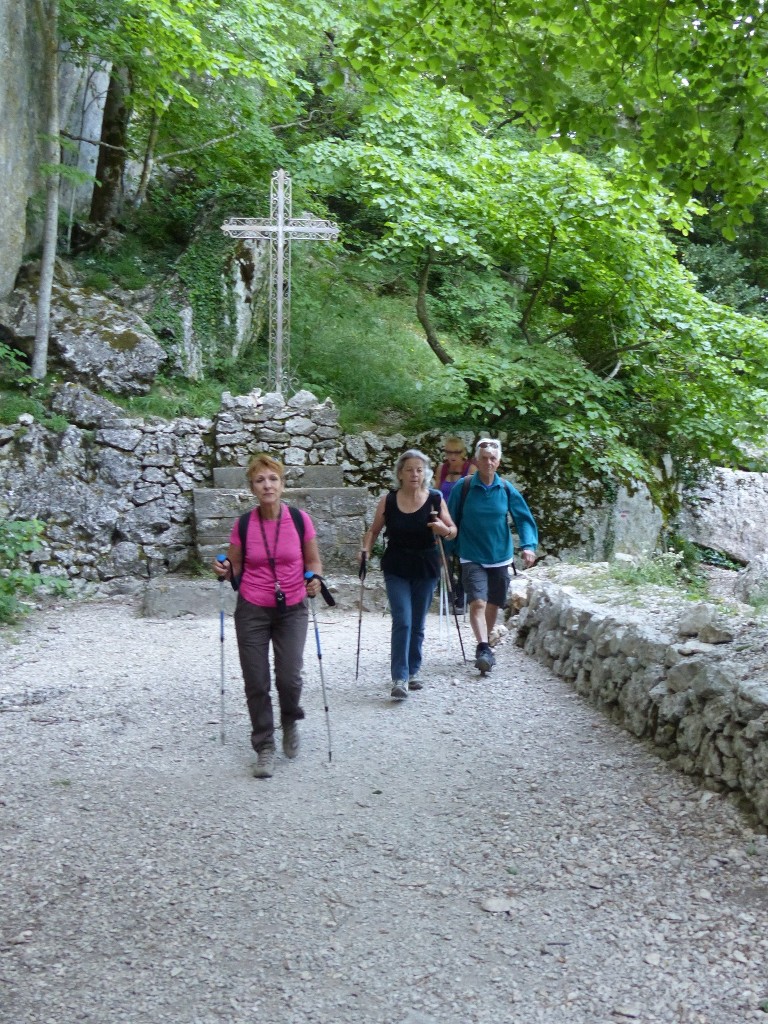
(172, 596)
(339, 515)
(233, 477)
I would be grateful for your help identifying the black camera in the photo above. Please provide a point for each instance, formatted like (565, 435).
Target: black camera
(279, 599)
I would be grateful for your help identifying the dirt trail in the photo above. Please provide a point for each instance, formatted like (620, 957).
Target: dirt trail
(484, 851)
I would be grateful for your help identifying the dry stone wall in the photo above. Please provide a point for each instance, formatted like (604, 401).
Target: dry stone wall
(116, 490)
(689, 680)
(113, 491)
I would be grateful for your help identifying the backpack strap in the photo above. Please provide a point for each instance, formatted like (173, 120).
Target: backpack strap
(462, 498)
(298, 522)
(435, 499)
(510, 517)
(242, 529)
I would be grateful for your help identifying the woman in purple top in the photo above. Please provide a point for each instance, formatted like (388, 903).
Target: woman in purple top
(457, 465)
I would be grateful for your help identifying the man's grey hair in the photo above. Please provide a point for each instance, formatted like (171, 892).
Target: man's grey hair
(488, 442)
(413, 453)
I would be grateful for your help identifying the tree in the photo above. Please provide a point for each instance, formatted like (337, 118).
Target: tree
(608, 352)
(47, 12)
(683, 86)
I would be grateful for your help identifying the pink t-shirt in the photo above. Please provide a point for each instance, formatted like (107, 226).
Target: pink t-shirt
(257, 585)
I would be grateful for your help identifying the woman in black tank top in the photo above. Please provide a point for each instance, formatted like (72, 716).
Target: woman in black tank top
(414, 516)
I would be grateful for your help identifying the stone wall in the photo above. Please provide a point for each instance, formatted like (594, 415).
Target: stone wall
(687, 680)
(115, 491)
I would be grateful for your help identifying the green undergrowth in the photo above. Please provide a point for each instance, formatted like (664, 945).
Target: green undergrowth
(14, 403)
(171, 397)
(664, 570)
(360, 347)
(17, 539)
(630, 582)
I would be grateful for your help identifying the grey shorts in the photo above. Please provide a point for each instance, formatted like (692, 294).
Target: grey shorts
(489, 585)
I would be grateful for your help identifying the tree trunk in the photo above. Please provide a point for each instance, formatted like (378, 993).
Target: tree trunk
(421, 311)
(48, 19)
(149, 159)
(107, 193)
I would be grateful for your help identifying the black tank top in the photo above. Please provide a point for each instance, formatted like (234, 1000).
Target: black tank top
(412, 550)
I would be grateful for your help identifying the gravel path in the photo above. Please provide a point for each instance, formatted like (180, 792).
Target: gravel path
(485, 851)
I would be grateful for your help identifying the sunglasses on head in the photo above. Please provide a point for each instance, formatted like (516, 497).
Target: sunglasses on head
(490, 445)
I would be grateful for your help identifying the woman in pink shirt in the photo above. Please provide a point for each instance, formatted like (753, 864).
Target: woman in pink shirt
(271, 607)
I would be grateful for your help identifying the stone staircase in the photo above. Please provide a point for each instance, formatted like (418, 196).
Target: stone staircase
(338, 512)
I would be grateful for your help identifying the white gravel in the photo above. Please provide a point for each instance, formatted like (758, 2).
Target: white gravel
(486, 851)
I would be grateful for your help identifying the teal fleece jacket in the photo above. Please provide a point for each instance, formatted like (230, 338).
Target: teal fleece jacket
(484, 536)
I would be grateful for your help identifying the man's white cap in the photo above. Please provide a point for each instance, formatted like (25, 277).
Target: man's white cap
(488, 442)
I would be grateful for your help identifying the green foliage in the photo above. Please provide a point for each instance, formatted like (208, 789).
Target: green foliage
(200, 269)
(13, 367)
(17, 538)
(681, 86)
(13, 403)
(665, 570)
(611, 355)
(477, 306)
(723, 276)
(123, 264)
(173, 397)
(360, 348)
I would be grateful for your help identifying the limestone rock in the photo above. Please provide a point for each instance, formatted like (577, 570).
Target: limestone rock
(99, 342)
(752, 582)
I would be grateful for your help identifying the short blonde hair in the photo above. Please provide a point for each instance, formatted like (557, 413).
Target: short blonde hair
(454, 440)
(261, 461)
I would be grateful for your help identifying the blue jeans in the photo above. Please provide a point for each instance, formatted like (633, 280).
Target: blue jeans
(409, 602)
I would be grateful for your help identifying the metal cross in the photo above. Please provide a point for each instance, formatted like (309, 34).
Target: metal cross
(281, 229)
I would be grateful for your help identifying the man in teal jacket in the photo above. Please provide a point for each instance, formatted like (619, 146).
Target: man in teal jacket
(485, 543)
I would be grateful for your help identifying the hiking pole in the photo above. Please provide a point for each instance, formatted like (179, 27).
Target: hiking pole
(362, 574)
(221, 558)
(453, 596)
(309, 576)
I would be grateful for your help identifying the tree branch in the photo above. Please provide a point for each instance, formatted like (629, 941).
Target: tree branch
(92, 142)
(421, 312)
(537, 290)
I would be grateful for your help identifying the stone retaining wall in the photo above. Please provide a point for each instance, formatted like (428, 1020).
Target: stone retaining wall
(115, 490)
(692, 683)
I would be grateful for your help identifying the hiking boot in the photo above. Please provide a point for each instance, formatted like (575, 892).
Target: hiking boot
(290, 739)
(414, 683)
(400, 689)
(265, 763)
(484, 658)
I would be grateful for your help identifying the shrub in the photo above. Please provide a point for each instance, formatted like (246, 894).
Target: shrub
(17, 538)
